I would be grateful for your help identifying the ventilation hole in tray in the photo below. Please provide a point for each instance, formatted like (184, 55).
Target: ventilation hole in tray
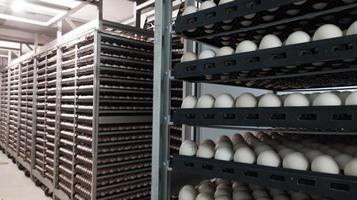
(189, 164)
(251, 174)
(306, 52)
(229, 62)
(277, 178)
(190, 116)
(229, 116)
(192, 20)
(253, 3)
(279, 56)
(342, 117)
(208, 116)
(207, 167)
(209, 66)
(278, 116)
(210, 15)
(252, 116)
(307, 182)
(342, 47)
(254, 59)
(228, 170)
(308, 117)
(230, 10)
(340, 187)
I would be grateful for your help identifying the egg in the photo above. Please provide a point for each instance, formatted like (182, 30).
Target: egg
(311, 155)
(219, 181)
(205, 151)
(269, 100)
(342, 159)
(250, 16)
(261, 148)
(189, 102)
(351, 99)
(299, 196)
(224, 1)
(319, 6)
(284, 152)
(224, 101)
(207, 187)
(223, 198)
(224, 51)
(297, 38)
(246, 100)
(325, 164)
(270, 41)
(281, 197)
(205, 101)
(208, 53)
(352, 29)
(204, 196)
(300, 2)
(227, 144)
(208, 142)
(296, 160)
(275, 192)
(312, 96)
(189, 10)
(237, 138)
(246, 46)
(296, 99)
(188, 56)
(260, 193)
(188, 148)
(327, 99)
(327, 31)
(187, 192)
(351, 168)
(222, 192)
(224, 153)
(269, 158)
(242, 195)
(244, 155)
(343, 96)
(206, 5)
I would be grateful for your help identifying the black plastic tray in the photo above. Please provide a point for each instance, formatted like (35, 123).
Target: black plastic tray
(331, 185)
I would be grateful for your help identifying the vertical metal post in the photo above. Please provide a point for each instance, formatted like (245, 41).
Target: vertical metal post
(160, 189)
(74, 119)
(34, 112)
(19, 67)
(8, 105)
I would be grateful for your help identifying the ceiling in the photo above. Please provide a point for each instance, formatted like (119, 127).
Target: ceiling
(22, 23)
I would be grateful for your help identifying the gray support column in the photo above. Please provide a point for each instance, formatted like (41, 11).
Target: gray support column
(160, 189)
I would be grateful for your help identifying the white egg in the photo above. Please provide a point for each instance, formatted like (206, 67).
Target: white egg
(281, 197)
(260, 193)
(187, 192)
(332, 152)
(239, 145)
(270, 41)
(208, 53)
(299, 196)
(224, 1)
(188, 56)
(227, 144)
(207, 187)
(351, 168)
(224, 153)
(319, 6)
(269, 100)
(325, 164)
(189, 10)
(209, 142)
(297, 38)
(223, 138)
(222, 192)
(188, 148)
(204, 196)
(269, 158)
(224, 51)
(327, 31)
(189, 102)
(284, 152)
(237, 138)
(225, 186)
(246, 46)
(313, 96)
(352, 29)
(242, 195)
(300, 2)
(327, 99)
(296, 160)
(205, 151)
(224, 198)
(246, 100)
(343, 96)
(261, 148)
(296, 99)
(206, 5)
(205, 101)
(342, 159)
(224, 101)
(244, 155)
(351, 99)
(249, 16)
(311, 155)
(275, 192)
(219, 181)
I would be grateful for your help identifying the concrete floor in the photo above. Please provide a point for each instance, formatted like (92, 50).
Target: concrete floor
(14, 185)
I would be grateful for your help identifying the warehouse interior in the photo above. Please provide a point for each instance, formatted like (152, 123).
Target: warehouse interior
(178, 99)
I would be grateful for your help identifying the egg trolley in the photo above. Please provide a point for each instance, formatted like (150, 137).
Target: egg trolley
(76, 114)
(314, 66)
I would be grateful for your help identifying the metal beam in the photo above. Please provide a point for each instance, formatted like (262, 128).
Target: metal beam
(160, 186)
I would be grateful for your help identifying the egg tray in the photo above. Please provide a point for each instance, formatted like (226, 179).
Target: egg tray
(314, 118)
(314, 64)
(308, 19)
(331, 185)
(134, 44)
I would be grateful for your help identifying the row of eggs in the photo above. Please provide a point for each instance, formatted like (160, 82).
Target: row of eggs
(326, 31)
(275, 151)
(247, 100)
(221, 189)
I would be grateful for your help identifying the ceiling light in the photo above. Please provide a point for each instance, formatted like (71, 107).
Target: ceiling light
(18, 5)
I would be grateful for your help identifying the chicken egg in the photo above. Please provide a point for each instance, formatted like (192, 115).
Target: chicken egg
(189, 10)
(327, 31)
(206, 5)
(205, 151)
(342, 159)
(296, 160)
(207, 186)
(269, 100)
(261, 148)
(204, 196)
(343, 96)
(208, 53)
(188, 148)
(269, 158)
(351, 99)
(327, 99)
(300, 2)
(222, 192)
(319, 6)
(270, 41)
(188, 56)
(260, 193)
(205, 101)
(352, 29)
(242, 195)
(237, 138)
(246, 100)
(351, 168)
(244, 155)
(325, 164)
(246, 46)
(224, 51)
(275, 192)
(224, 153)
(187, 192)
(224, 101)
(296, 99)
(297, 38)
(312, 154)
(223, 198)
(189, 102)
(284, 152)
(209, 142)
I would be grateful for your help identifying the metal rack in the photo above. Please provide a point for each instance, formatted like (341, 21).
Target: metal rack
(264, 69)
(4, 110)
(80, 110)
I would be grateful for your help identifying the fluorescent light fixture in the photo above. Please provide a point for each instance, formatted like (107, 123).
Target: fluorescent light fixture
(18, 5)
(65, 3)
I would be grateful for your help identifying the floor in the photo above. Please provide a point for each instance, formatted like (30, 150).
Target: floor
(14, 185)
